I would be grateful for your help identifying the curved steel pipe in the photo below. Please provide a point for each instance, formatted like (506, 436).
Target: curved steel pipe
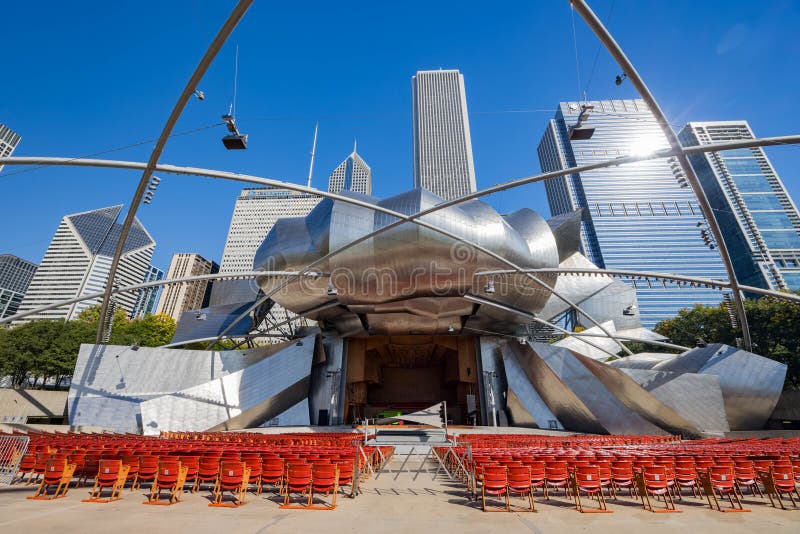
(191, 86)
(630, 71)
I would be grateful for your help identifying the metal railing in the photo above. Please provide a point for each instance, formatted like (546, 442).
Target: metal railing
(12, 449)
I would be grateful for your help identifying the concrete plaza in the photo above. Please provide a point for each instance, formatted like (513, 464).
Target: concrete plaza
(391, 502)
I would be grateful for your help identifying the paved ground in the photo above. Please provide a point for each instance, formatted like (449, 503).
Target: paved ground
(390, 503)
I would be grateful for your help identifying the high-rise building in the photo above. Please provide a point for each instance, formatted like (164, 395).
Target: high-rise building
(759, 221)
(8, 141)
(178, 298)
(78, 262)
(15, 277)
(353, 174)
(254, 214)
(640, 216)
(442, 145)
(148, 296)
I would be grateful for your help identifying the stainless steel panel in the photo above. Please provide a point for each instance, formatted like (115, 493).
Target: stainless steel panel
(578, 345)
(607, 409)
(526, 397)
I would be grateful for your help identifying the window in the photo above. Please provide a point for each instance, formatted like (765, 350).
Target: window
(742, 166)
(762, 202)
(752, 184)
(770, 220)
(781, 239)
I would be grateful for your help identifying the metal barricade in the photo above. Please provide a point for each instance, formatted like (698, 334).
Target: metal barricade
(12, 449)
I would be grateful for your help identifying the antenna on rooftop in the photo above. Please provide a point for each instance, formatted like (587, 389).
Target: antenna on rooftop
(313, 150)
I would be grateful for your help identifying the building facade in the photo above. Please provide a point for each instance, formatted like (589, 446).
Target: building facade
(640, 216)
(352, 174)
(8, 141)
(148, 296)
(759, 221)
(443, 161)
(78, 261)
(15, 277)
(254, 214)
(178, 298)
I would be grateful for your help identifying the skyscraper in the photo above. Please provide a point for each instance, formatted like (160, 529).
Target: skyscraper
(15, 277)
(8, 141)
(178, 298)
(352, 174)
(147, 296)
(759, 221)
(640, 216)
(254, 214)
(78, 261)
(442, 144)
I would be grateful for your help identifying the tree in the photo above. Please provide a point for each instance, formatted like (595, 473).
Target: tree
(774, 329)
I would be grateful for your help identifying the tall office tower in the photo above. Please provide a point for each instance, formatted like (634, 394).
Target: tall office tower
(147, 296)
(78, 261)
(178, 298)
(759, 221)
(8, 141)
(15, 277)
(254, 214)
(640, 216)
(353, 174)
(442, 145)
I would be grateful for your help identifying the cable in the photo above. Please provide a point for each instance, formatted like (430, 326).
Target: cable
(117, 149)
(599, 48)
(235, 79)
(575, 43)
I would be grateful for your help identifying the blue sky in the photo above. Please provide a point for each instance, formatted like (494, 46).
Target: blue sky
(85, 77)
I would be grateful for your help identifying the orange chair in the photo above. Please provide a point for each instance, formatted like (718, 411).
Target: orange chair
(57, 473)
(780, 480)
(557, 476)
(538, 474)
(346, 473)
(171, 477)
(622, 477)
(495, 482)
(26, 467)
(133, 469)
(686, 477)
(233, 477)
(744, 474)
(110, 474)
(586, 479)
(192, 464)
(324, 479)
(272, 473)
(720, 481)
(253, 463)
(520, 483)
(653, 481)
(88, 469)
(298, 480)
(207, 472)
(148, 470)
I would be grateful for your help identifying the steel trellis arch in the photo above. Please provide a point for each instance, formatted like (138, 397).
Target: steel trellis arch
(630, 71)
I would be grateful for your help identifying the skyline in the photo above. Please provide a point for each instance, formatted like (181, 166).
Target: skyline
(78, 118)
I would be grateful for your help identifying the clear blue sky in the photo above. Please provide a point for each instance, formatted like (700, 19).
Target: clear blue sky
(84, 77)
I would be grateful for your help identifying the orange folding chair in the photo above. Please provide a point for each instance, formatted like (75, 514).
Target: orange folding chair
(586, 479)
(171, 477)
(110, 474)
(718, 482)
(298, 480)
(495, 482)
(233, 476)
(324, 479)
(520, 483)
(777, 481)
(57, 473)
(653, 481)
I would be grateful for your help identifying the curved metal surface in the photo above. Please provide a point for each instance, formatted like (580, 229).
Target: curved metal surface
(189, 90)
(630, 71)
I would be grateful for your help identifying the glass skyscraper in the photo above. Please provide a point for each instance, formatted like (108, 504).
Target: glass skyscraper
(8, 141)
(442, 144)
(640, 216)
(147, 296)
(15, 277)
(759, 221)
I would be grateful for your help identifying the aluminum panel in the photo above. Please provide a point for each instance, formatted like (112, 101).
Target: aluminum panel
(580, 346)
(110, 381)
(526, 396)
(609, 411)
(212, 321)
(615, 302)
(241, 399)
